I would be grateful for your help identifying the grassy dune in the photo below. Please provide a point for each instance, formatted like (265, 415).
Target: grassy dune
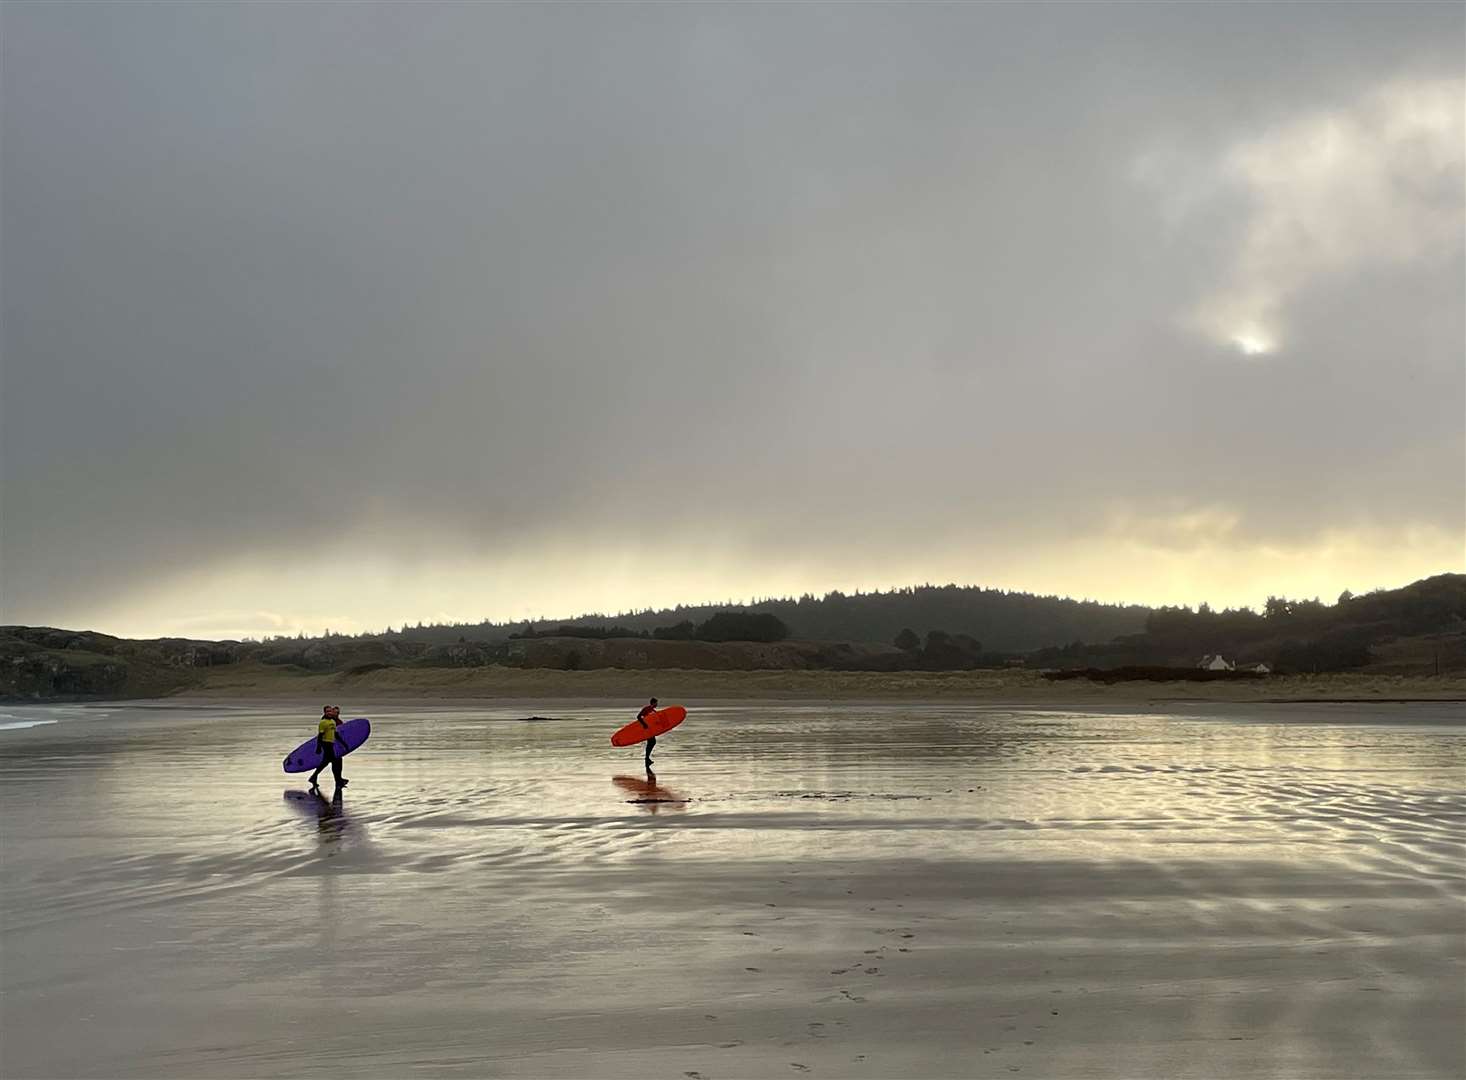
(260, 682)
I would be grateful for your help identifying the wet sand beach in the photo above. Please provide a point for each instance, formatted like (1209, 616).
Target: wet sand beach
(801, 889)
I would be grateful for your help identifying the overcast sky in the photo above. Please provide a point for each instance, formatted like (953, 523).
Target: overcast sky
(346, 315)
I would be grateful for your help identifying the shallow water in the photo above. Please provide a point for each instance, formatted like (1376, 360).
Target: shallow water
(857, 890)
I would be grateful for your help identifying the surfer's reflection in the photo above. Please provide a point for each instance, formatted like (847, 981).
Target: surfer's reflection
(648, 794)
(330, 814)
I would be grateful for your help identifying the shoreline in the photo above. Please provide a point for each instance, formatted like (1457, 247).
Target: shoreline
(257, 683)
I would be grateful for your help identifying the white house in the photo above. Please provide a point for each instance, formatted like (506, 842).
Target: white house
(1216, 663)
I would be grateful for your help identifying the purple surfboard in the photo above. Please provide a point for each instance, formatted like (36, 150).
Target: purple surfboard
(350, 735)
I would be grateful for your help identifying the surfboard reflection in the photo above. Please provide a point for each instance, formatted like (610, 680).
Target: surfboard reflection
(329, 814)
(646, 793)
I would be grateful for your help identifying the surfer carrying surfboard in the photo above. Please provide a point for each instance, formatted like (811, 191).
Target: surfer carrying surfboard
(646, 710)
(326, 744)
(649, 723)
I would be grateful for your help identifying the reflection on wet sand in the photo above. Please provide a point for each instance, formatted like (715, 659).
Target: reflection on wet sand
(858, 890)
(329, 814)
(648, 794)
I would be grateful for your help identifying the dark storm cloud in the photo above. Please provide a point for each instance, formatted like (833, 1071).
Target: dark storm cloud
(491, 275)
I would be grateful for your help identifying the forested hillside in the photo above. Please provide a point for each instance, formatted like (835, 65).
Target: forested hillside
(1419, 627)
(1001, 621)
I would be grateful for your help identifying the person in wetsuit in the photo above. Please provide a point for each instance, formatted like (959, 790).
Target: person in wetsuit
(326, 744)
(647, 709)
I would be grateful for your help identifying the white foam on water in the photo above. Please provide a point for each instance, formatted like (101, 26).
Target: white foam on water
(8, 725)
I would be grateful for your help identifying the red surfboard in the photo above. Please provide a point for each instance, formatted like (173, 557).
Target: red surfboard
(656, 723)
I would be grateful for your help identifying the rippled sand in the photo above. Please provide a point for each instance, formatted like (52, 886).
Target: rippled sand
(833, 891)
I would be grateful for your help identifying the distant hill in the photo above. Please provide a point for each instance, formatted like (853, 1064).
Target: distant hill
(43, 663)
(1419, 629)
(1416, 629)
(962, 627)
(1010, 622)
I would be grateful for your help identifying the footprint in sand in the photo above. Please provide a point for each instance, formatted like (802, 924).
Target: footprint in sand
(815, 1029)
(694, 1075)
(853, 997)
(872, 971)
(796, 1065)
(839, 971)
(753, 969)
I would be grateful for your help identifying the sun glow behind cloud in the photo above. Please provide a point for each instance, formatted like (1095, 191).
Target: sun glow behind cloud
(1253, 342)
(1374, 182)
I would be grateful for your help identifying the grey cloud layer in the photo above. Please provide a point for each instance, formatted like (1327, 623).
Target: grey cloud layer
(277, 273)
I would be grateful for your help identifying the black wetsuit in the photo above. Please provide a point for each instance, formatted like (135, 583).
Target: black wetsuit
(651, 742)
(328, 756)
